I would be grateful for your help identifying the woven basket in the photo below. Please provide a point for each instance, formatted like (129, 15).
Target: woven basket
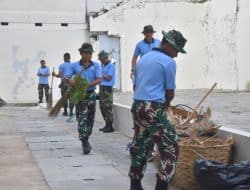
(216, 149)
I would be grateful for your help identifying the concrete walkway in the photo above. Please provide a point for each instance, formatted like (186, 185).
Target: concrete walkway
(57, 156)
(18, 169)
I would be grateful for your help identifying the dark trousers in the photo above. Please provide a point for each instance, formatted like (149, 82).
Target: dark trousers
(41, 88)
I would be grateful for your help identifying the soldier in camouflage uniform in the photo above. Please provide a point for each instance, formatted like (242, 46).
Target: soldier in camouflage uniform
(154, 84)
(106, 91)
(65, 72)
(91, 71)
(43, 73)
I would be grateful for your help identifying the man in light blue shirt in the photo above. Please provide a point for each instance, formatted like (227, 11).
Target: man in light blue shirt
(106, 91)
(43, 73)
(144, 46)
(65, 72)
(91, 71)
(154, 87)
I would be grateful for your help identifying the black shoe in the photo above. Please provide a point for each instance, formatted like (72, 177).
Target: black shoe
(101, 129)
(161, 185)
(65, 113)
(86, 147)
(71, 114)
(109, 128)
(40, 101)
(135, 184)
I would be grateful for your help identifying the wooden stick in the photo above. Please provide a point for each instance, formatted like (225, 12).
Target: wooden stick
(202, 100)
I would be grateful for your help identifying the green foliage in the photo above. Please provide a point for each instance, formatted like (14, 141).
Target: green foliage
(78, 92)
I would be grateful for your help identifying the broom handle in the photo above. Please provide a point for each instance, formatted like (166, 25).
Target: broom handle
(202, 100)
(52, 78)
(205, 96)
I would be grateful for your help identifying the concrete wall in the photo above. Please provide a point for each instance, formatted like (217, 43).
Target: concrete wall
(124, 124)
(23, 44)
(217, 34)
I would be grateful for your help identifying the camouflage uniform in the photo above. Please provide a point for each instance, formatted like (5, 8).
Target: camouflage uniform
(40, 91)
(151, 124)
(86, 114)
(106, 103)
(64, 87)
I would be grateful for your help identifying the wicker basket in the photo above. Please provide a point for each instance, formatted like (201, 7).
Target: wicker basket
(216, 149)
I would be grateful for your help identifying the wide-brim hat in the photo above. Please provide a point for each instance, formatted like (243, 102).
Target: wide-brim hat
(86, 48)
(175, 39)
(148, 28)
(103, 54)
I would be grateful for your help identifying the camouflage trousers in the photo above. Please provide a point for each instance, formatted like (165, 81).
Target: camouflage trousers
(86, 115)
(64, 87)
(40, 91)
(106, 103)
(151, 124)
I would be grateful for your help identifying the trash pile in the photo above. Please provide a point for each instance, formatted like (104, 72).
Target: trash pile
(198, 140)
(199, 125)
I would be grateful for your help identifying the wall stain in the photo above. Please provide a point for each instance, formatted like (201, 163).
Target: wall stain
(21, 67)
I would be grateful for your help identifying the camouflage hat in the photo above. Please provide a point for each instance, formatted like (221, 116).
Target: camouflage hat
(176, 39)
(86, 48)
(103, 54)
(148, 28)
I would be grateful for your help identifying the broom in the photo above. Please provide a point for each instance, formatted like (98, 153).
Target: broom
(56, 109)
(76, 92)
(50, 100)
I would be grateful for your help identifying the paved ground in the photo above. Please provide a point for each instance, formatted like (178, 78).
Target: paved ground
(56, 158)
(37, 153)
(229, 109)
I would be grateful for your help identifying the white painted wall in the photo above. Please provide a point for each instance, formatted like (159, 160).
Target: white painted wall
(23, 45)
(97, 5)
(217, 34)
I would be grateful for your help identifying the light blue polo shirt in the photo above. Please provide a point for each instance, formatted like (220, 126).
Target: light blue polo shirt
(143, 47)
(108, 69)
(66, 69)
(91, 73)
(44, 71)
(154, 74)
(76, 67)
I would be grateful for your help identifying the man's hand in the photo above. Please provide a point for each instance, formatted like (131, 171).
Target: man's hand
(72, 82)
(53, 74)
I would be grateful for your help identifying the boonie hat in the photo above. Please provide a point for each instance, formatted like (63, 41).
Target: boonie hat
(176, 39)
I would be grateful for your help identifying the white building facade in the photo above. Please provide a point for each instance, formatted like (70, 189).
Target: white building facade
(217, 31)
(34, 30)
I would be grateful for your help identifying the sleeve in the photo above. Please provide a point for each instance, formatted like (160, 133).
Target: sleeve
(137, 51)
(73, 69)
(111, 70)
(98, 73)
(170, 72)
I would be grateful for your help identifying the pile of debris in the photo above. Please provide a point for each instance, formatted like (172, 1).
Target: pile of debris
(192, 124)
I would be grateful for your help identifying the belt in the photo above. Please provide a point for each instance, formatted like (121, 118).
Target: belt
(106, 87)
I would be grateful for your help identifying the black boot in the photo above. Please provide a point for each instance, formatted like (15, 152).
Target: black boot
(161, 185)
(109, 128)
(135, 184)
(105, 126)
(86, 147)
